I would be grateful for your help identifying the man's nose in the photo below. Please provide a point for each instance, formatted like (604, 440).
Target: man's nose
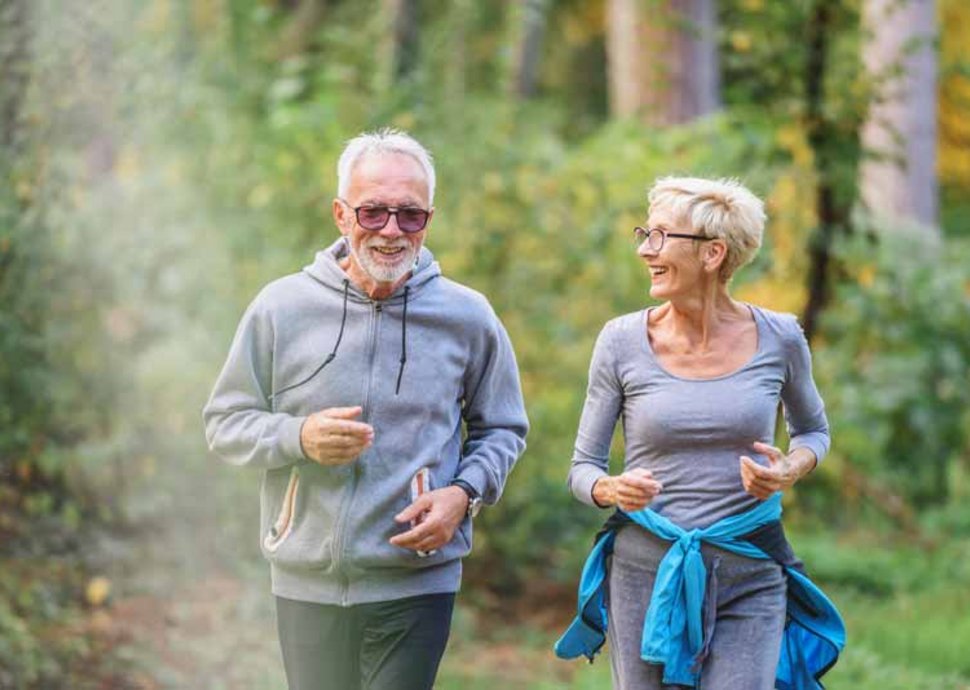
(391, 229)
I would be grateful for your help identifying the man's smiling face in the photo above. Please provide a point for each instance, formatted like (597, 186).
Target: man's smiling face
(380, 260)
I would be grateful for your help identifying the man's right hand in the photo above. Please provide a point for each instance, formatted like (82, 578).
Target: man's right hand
(331, 437)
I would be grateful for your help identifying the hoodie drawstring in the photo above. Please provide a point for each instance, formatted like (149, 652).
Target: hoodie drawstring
(333, 353)
(404, 340)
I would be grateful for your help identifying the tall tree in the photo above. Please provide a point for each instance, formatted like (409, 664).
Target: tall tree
(833, 135)
(533, 19)
(401, 18)
(899, 179)
(662, 56)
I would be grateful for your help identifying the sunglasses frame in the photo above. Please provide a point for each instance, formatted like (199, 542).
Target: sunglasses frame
(390, 211)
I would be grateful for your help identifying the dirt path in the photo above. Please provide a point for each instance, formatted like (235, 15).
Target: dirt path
(207, 634)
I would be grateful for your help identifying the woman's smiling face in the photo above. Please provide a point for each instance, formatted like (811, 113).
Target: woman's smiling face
(676, 269)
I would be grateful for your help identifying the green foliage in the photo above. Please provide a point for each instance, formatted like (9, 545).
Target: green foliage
(23, 402)
(57, 381)
(866, 668)
(20, 653)
(895, 361)
(904, 607)
(154, 198)
(39, 622)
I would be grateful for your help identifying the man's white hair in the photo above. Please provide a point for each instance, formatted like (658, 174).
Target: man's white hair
(383, 141)
(722, 208)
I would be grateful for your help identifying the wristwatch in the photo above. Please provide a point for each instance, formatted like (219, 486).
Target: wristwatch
(474, 500)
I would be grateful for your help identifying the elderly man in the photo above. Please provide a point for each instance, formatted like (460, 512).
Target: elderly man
(349, 384)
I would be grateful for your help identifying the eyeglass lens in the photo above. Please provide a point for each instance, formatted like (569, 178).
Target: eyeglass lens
(653, 237)
(376, 218)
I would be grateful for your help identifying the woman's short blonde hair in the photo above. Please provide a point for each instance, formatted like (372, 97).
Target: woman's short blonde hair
(722, 208)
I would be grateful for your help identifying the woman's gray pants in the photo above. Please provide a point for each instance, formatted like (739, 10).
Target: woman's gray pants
(751, 603)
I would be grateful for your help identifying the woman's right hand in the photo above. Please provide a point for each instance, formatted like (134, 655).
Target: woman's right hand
(631, 491)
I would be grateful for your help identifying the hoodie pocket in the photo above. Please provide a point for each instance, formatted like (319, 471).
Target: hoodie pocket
(281, 528)
(300, 508)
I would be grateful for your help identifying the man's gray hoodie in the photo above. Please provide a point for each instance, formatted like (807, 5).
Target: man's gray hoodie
(419, 363)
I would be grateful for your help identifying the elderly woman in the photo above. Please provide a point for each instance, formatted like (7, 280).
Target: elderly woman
(693, 572)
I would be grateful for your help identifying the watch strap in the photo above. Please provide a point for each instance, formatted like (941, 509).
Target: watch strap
(467, 488)
(474, 499)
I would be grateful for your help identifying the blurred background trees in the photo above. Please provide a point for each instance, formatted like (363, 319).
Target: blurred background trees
(162, 159)
(900, 133)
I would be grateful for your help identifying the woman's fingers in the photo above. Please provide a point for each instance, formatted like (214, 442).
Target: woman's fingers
(636, 488)
(758, 481)
(639, 480)
(773, 454)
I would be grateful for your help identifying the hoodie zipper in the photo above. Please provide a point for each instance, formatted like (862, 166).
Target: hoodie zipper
(340, 531)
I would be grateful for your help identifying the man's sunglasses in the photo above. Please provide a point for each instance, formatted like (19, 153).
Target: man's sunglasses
(376, 218)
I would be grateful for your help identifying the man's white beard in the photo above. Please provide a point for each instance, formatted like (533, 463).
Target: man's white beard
(380, 272)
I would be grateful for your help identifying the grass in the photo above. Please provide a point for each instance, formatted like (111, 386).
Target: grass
(906, 610)
(866, 665)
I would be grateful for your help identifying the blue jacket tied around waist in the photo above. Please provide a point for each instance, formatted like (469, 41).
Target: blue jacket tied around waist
(680, 617)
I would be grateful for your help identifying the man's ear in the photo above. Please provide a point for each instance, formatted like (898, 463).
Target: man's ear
(342, 215)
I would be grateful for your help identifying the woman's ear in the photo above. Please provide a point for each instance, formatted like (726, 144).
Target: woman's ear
(715, 254)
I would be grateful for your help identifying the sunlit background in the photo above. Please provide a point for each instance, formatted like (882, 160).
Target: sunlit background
(160, 160)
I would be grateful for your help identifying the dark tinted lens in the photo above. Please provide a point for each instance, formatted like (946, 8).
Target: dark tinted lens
(411, 219)
(372, 217)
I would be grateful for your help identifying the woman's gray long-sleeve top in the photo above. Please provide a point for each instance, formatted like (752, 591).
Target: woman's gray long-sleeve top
(690, 433)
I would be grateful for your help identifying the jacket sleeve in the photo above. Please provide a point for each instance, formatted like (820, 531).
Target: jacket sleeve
(604, 400)
(494, 414)
(240, 426)
(805, 417)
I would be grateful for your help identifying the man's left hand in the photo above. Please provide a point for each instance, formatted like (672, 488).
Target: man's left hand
(439, 512)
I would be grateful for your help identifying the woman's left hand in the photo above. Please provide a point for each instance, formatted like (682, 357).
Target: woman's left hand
(782, 471)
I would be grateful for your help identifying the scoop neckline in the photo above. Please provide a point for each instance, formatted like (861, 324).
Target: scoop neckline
(648, 348)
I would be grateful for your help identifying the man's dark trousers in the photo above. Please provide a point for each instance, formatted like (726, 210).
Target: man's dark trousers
(388, 645)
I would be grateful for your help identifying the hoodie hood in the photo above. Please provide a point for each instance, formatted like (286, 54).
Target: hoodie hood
(326, 270)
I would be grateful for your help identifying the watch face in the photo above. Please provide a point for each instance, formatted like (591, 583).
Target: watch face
(474, 506)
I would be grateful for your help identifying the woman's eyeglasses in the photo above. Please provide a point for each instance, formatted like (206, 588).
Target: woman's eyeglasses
(655, 237)
(376, 218)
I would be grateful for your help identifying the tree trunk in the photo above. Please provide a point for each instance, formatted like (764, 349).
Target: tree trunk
(900, 58)
(534, 19)
(662, 59)
(402, 38)
(14, 71)
(298, 33)
(829, 144)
